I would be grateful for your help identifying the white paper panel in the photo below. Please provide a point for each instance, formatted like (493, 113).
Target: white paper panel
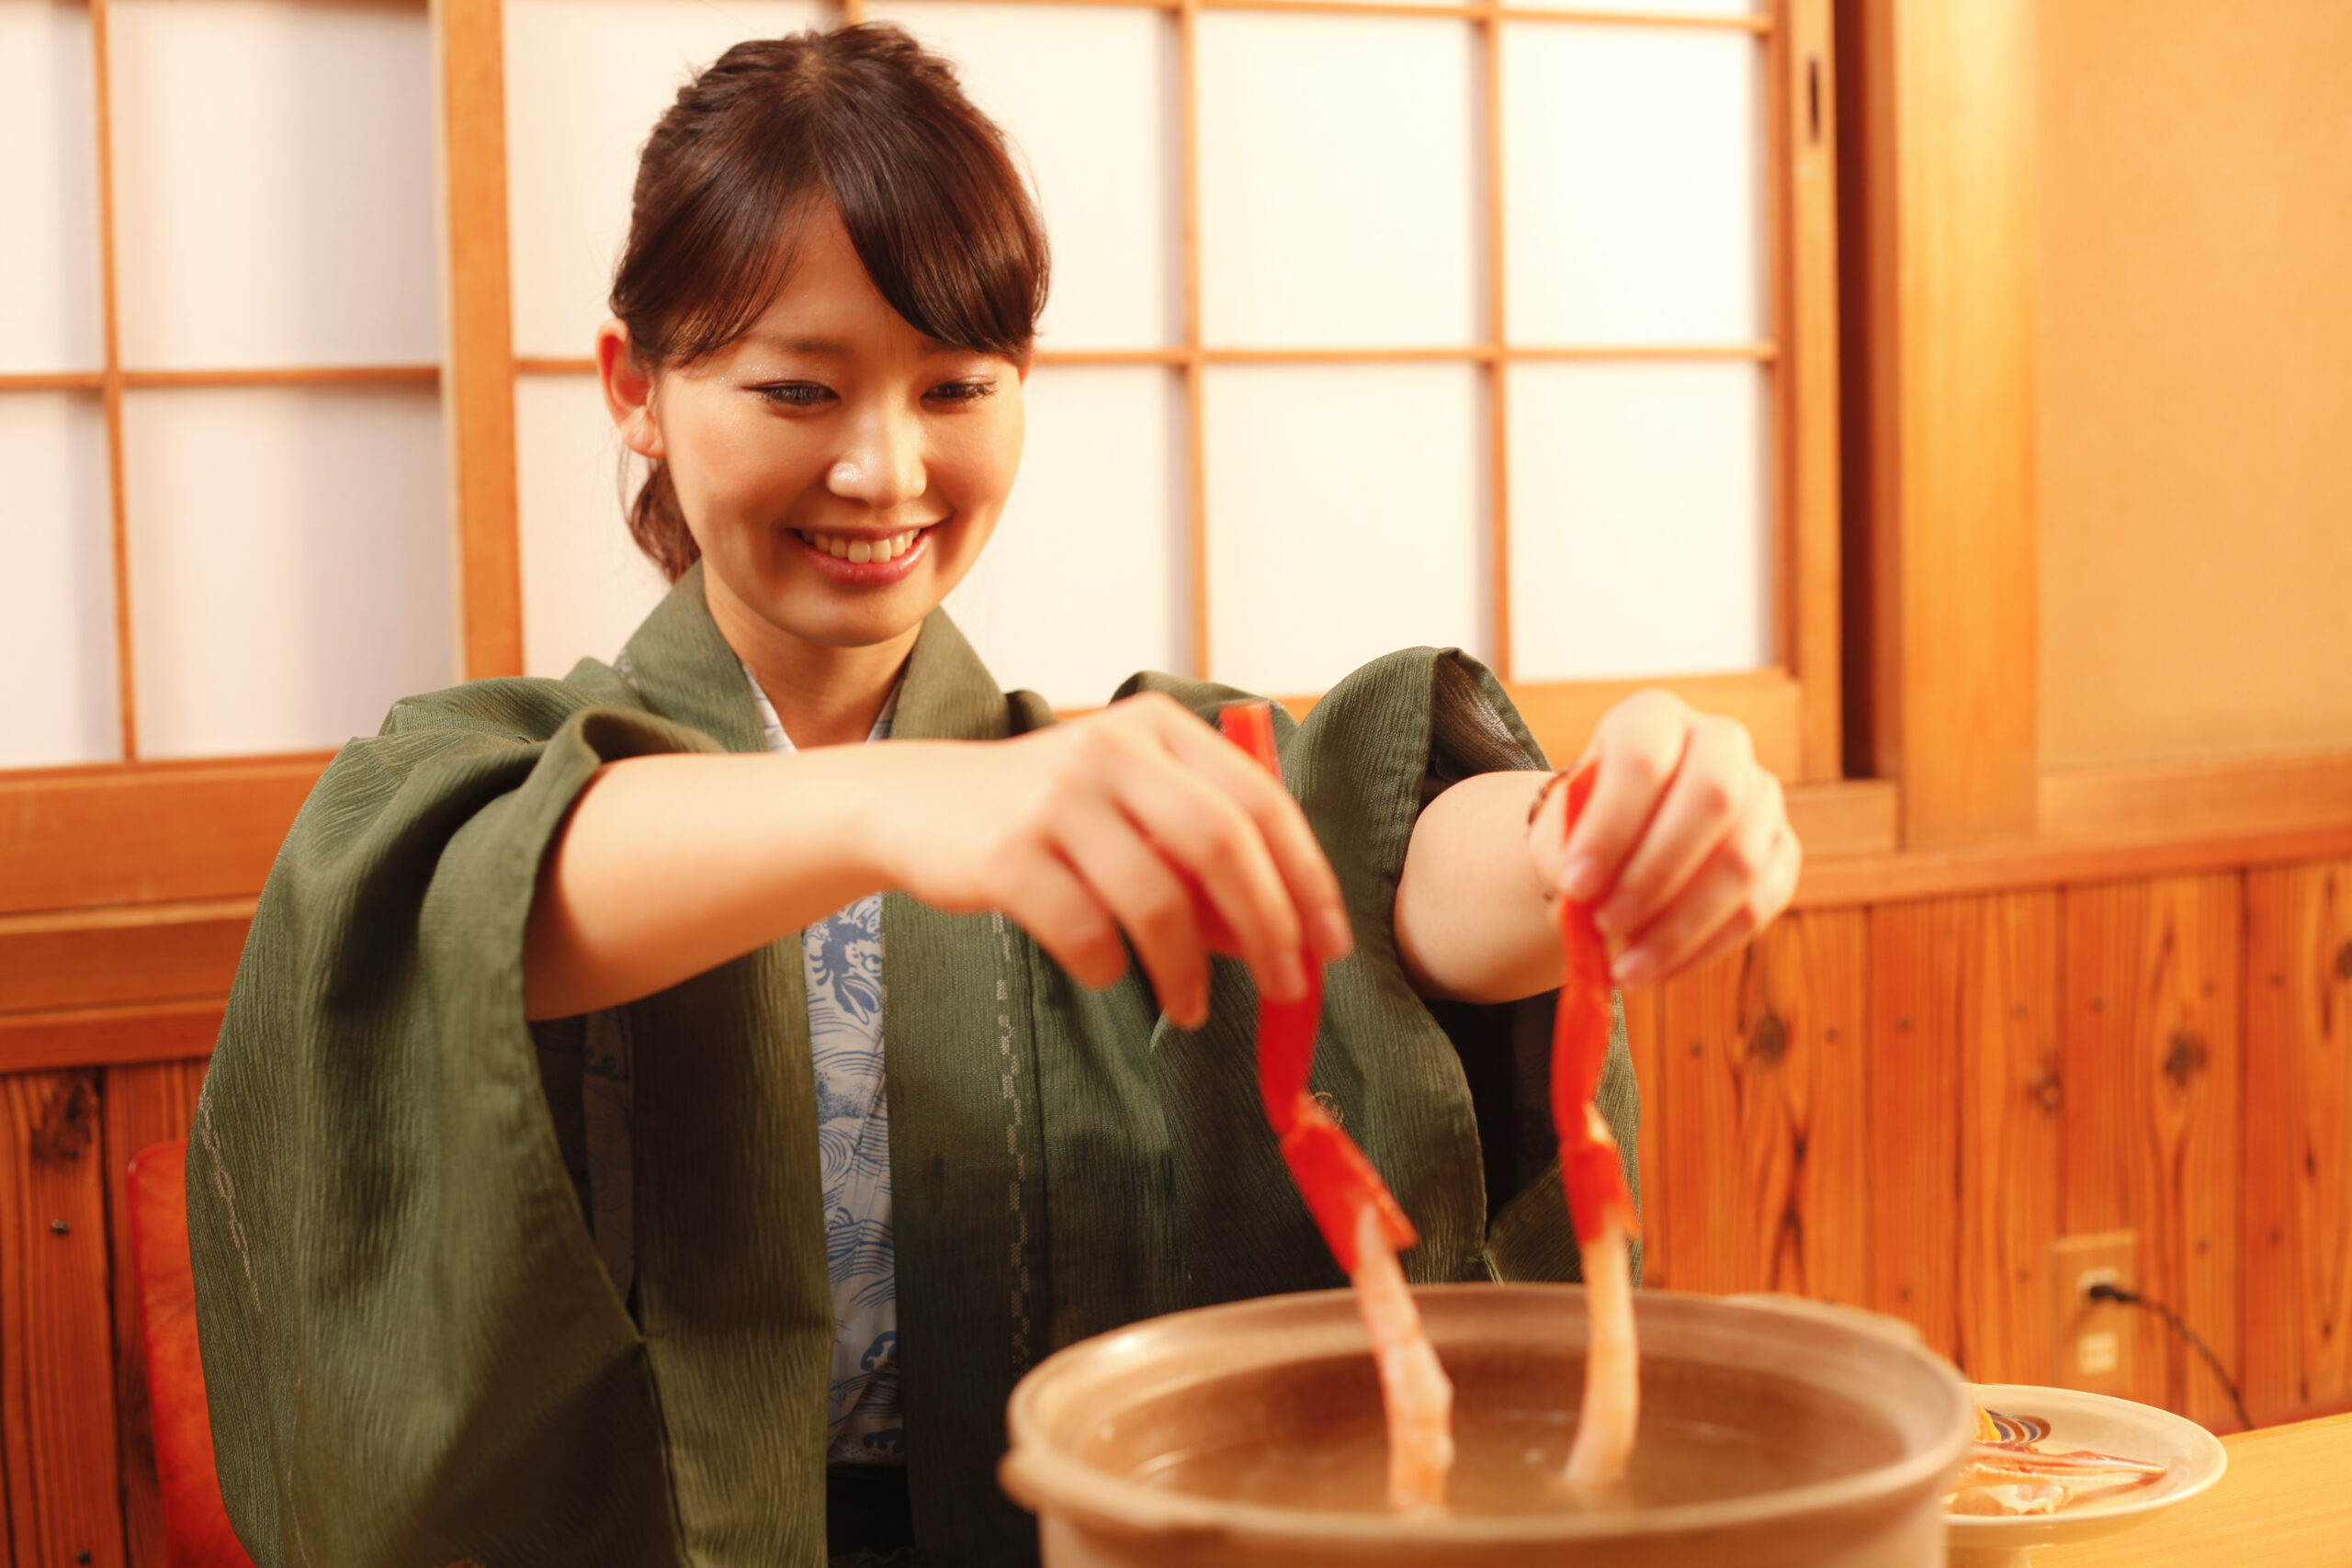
(273, 182)
(1639, 529)
(1347, 518)
(586, 583)
(1087, 95)
(57, 669)
(49, 182)
(1338, 197)
(290, 572)
(1632, 167)
(585, 82)
(1085, 580)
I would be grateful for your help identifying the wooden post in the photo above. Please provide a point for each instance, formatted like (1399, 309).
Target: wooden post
(1947, 408)
(478, 388)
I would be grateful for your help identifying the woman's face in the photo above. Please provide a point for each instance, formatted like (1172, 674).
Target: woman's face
(838, 470)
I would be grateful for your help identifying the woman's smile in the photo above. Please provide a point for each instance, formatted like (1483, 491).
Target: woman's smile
(864, 560)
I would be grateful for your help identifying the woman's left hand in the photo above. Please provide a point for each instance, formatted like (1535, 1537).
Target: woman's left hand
(1683, 848)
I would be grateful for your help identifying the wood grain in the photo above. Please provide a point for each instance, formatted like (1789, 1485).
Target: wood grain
(2051, 863)
(1998, 976)
(1808, 436)
(2259, 794)
(1948, 290)
(479, 391)
(1915, 1056)
(74, 837)
(1761, 1136)
(2152, 1108)
(2297, 1284)
(1858, 816)
(98, 1037)
(57, 1404)
(143, 1105)
(1642, 1038)
(2281, 1502)
(103, 957)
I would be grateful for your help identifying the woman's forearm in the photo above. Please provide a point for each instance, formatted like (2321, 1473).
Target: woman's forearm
(671, 864)
(1471, 919)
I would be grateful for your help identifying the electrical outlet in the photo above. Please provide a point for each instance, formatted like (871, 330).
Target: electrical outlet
(2091, 1342)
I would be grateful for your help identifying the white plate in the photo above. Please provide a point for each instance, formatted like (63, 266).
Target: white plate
(2193, 1460)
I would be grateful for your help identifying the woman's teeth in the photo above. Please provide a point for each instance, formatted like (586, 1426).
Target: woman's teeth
(860, 552)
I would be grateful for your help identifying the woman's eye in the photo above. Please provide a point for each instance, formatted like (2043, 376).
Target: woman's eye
(794, 394)
(966, 391)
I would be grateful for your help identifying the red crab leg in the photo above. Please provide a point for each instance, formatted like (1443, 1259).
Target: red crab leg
(1599, 1205)
(1360, 1218)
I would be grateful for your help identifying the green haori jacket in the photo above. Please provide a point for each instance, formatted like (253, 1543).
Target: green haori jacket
(413, 1353)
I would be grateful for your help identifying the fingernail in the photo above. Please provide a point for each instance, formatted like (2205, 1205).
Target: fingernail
(1195, 1016)
(1580, 879)
(1634, 966)
(1334, 937)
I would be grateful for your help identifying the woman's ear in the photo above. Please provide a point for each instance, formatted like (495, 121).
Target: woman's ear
(628, 391)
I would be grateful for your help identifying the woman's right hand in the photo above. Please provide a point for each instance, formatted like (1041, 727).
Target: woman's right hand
(1136, 819)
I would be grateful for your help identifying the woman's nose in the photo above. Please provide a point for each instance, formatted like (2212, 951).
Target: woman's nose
(881, 465)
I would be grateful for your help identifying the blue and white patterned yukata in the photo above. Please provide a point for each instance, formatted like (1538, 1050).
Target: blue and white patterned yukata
(841, 958)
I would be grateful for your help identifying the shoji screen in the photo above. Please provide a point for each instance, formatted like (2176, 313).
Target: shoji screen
(1371, 325)
(226, 531)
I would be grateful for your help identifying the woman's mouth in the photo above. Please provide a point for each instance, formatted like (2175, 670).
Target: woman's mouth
(864, 558)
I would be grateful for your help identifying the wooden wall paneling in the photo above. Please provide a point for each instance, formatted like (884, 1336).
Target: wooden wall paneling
(1642, 1038)
(1999, 978)
(1702, 1232)
(143, 1105)
(2265, 794)
(2052, 862)
(76, 838)
(137, 954)
(98, 1037)
(57, 1408)
(2152, 1111)
(1946, 177)
(1760, 1134)
(1815, 980)
(478, 392)
(2297, 1285)
(1915, 1136)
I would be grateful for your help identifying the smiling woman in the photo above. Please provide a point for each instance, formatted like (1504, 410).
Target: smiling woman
(548, 1142)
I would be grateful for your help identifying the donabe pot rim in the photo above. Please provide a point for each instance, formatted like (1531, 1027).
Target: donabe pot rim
(1044, 1478)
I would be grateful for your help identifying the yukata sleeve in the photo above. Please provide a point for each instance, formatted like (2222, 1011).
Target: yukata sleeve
(1374, 753)
(412, 1351)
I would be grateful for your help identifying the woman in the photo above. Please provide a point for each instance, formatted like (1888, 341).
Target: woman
(550, 1207)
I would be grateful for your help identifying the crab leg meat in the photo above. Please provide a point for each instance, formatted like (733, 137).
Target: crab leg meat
(1599, 1203)
(1360, 1218)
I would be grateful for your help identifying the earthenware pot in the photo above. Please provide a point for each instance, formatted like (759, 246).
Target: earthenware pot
(1885, 1421)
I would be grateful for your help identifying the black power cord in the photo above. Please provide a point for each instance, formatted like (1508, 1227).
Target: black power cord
(2103, 1291)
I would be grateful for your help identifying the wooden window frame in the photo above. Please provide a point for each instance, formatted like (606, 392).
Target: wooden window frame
(136, 876)
(1792, 705)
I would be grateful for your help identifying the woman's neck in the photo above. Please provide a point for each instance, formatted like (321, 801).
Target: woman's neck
(822, 695)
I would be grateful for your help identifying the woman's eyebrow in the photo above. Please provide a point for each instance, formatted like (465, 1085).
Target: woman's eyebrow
(815, 347)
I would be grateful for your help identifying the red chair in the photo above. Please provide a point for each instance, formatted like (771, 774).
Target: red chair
(196, 1522)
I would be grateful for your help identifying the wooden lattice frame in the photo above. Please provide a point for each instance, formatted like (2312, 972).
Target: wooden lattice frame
(1791, 706)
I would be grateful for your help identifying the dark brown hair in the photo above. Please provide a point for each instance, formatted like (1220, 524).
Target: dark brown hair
(862, 117)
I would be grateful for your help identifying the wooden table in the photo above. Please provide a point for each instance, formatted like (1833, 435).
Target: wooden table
(2286, 1502)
